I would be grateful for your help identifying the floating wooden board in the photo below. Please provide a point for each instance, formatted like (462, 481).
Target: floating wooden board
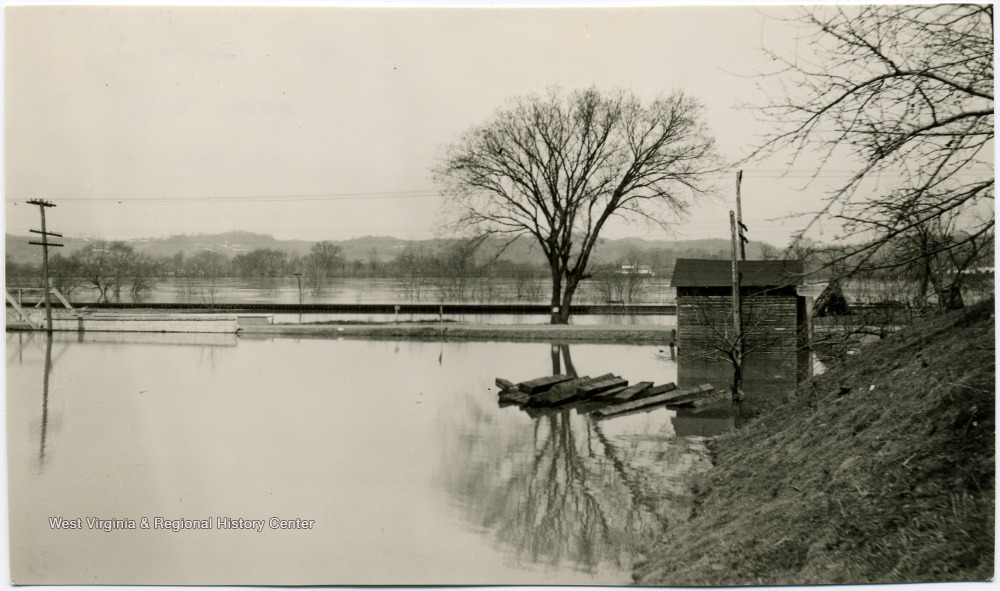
(626, 394)
(514, 397)
(540, 385)
(596, 387)
(660, 399)
(711, 399)
(564, 392)
(504, 384)
(559, 393)
(661, 389)
(679, 397)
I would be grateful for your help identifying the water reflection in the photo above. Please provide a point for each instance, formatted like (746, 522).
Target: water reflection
(45, 401)
(362, 290)
(768, 378)
(561, 352)
(565, 489)
(579, 319)
(560, 491)
(373, 439)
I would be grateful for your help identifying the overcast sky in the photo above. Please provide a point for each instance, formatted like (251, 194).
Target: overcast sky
(324, 123)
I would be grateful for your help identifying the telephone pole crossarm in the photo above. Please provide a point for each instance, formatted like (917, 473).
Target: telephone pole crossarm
(45, 244)
(33, 231)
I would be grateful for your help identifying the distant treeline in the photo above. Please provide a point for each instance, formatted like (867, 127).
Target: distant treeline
(116, 268)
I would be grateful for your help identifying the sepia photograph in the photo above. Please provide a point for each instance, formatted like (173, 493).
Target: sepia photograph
(494, 294)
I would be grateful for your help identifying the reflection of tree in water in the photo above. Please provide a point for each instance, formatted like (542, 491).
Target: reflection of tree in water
(559, 490)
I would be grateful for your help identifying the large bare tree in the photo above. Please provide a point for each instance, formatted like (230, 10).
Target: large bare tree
(905, 93)
(558, 167)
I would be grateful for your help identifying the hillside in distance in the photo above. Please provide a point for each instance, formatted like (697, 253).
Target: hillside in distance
(382, 248)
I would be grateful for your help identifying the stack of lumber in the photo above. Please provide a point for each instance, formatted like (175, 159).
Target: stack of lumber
(673, 398)
(604, 396)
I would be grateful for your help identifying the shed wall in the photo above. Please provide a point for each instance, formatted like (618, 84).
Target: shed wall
(773, 322)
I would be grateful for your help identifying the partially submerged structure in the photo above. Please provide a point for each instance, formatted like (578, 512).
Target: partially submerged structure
(772, 310)
(774, 318)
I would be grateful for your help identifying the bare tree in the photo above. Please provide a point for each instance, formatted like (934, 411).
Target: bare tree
(939, 257)
(142, 273)
(558, 168)
(526, 285)
(261, 262)
(209, 267)
(323, 260)
(411, 268)
(907, 92)
(458, 268)
(104, 265)
(736, 347)
(64, 274)
(617, 285)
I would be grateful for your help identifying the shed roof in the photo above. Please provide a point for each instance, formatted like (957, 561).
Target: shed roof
(719, 273)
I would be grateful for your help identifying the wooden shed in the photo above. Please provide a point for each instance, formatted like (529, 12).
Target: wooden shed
(774, 316)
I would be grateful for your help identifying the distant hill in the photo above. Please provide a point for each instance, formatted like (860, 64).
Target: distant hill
(386, 247)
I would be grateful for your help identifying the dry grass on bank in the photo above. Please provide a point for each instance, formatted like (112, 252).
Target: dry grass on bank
(881, 470)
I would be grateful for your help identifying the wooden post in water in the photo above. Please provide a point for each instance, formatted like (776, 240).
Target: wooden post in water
(298, 276)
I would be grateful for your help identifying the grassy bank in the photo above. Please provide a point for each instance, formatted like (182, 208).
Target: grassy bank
(880, 470)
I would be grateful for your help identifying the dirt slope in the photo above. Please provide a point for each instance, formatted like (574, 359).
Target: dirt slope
(880, 470)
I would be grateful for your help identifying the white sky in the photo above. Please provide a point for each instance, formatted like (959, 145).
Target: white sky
(324, 122)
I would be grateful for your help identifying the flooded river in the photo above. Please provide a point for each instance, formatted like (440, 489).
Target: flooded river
(395, 454)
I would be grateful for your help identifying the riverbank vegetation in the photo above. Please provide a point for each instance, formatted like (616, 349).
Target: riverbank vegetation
(881, 470)
(431, 270)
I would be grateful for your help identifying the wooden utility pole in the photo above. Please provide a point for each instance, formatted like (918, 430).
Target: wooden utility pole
(736, 280)
(737, 343)
(739, 216)
(45, 244)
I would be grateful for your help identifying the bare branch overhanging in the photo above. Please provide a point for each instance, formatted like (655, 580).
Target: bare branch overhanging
(909, 91)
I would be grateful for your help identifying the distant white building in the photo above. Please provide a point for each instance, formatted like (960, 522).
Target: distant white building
(635, 269)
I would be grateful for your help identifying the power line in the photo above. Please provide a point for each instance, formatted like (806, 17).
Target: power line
(254, 198)
(758, 173)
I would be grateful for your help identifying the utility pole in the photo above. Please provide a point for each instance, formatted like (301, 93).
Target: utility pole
(737, 308)
(45, 244)
(736, 284)
(739, 217)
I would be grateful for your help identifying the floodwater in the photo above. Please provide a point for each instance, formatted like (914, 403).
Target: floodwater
(665, 320)
(368, 290)
(396, 451)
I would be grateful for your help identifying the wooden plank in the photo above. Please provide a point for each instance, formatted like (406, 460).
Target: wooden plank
(564, 392)
(679, 397)
(661, 389)
(596, 387)
(540, 385)
(504, 384)
(23, 314)
(619, 395)
(706, 400)
(660, 399)
(630, 406)
(514, 397)
(558, 394)
(62, 299)
(638, 411)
